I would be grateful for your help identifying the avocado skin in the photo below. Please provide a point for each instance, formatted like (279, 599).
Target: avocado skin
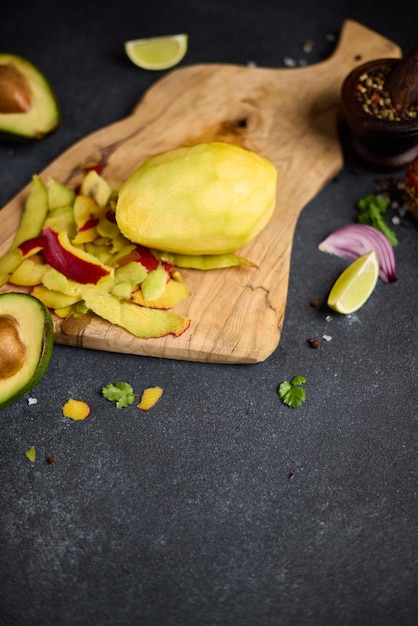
(44, 115)
(18, 304)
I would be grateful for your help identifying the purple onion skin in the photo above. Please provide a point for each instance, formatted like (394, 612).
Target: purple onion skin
(354, 240)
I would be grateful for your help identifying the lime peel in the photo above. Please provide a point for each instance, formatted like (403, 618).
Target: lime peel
(157, 53)
(355, 284)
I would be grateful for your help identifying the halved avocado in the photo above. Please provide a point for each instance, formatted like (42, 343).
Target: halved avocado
(26, 345)
(28, 106)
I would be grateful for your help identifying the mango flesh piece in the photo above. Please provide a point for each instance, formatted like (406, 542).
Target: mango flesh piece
(76, 409)
(59, 195)
(149, 398)
(211, 198)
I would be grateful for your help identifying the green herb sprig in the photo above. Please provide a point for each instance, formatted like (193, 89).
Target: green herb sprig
(121, 393)
(291, 392)
(371, 211)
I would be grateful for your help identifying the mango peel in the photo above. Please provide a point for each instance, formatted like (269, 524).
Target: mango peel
(207, 199)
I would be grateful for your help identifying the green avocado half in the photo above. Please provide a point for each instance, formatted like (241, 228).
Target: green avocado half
(28, 106)
(26, 345)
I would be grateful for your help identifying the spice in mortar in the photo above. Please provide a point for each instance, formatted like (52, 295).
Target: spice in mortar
(411, 186)
(376, 100)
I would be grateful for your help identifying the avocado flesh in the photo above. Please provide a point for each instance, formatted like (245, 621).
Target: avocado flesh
(27, 338)
(28, 105)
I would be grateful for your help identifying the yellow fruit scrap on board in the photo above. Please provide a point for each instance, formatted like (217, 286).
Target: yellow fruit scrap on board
(157, 53)
(78, 252)
(149, 398)
(76, 409)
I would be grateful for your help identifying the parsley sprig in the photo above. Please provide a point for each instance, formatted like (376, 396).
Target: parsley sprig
(291, 392)
(371, 211)
(121, 393)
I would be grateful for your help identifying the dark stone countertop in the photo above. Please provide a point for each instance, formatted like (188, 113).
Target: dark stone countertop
(221, 506)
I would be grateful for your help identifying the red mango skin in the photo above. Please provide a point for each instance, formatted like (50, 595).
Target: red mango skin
(146, 258)
(32, 246)
(142, 255)
(97, 166)
(63, 260)
(91, 223)
(66, 262)
(110, 216)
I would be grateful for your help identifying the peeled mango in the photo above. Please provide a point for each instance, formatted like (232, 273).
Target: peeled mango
(211, 198)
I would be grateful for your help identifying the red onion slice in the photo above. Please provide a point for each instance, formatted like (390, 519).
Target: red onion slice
(354, 240)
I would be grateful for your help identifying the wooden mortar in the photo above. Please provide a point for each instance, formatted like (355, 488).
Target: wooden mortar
(381, 142)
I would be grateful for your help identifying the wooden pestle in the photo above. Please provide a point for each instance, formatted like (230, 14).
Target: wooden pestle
(402, 82)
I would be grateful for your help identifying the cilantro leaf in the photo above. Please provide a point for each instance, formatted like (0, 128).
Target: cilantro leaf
(121, 393)
(298, 380)
(291, 393)
(371, 211)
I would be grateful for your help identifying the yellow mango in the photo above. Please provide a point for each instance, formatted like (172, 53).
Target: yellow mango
(211, 198)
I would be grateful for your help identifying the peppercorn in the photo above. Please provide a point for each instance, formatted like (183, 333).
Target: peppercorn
(375, 100)
(51, 459)
(314, 343)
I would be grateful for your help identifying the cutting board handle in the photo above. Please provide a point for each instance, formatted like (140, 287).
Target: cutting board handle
(358, 44)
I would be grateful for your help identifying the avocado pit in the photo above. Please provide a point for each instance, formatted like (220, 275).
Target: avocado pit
(15, 92)
(12, 349)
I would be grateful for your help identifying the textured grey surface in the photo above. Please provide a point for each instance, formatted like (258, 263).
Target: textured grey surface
(221, 506)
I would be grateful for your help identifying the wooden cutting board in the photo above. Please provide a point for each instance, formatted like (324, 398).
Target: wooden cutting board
(288, 115)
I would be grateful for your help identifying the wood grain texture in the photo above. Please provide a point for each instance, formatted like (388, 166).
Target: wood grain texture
(287, 115)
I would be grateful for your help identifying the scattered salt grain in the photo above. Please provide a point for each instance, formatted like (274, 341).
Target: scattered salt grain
(403, 210)
(251, 64)
(396, 219)
(32, 400)
(308, 46)
(289, 62)
(328, 318)
(327, 337)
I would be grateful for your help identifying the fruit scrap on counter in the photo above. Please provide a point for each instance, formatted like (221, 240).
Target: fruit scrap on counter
(149, 398)
(76, 409)
(31, 454)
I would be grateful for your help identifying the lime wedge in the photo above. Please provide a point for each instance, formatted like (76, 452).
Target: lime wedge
(157, 53)
(356, 283)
